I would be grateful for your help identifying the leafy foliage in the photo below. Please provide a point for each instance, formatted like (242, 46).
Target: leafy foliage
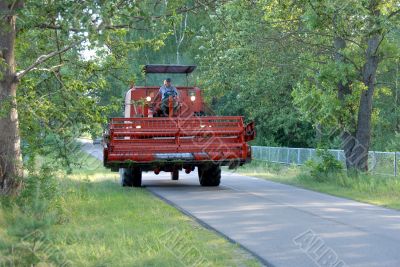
(328, 166)
(38, 207)
(76, 91)
(271, 61)
(244, 72)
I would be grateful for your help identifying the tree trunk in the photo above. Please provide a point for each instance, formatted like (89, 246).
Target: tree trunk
(10, 153)
(348, 137)
(363, 134)
(356, 145)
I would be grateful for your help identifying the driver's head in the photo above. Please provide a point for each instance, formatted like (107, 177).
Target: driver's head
(168, 82)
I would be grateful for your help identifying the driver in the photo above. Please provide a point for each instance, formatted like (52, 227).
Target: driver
(166, 91)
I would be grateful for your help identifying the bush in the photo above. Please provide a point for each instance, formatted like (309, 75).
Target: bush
(29, 219)
(326, 167)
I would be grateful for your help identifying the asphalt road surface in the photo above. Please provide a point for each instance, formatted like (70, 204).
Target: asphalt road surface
(284, 225)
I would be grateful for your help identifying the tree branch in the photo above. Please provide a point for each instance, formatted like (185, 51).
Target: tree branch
(44, 58)
(51, 69)
(181, 10)
(79, 30)
(394, 13)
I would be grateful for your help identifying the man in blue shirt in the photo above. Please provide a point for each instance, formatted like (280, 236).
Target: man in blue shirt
(166, 91)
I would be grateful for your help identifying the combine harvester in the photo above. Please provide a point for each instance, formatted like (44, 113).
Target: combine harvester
(147, 139)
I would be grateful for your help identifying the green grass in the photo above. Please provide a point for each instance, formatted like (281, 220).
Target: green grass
(369, 188)
(104, 224)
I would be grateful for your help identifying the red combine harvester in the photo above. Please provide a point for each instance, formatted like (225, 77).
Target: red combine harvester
(184, 137)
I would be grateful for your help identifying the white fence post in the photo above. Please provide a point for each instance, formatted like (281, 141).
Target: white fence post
(278, 157)
(298, 156)
(287, 157)
(269, 153)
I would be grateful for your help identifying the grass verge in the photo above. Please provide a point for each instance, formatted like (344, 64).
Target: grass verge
(374, 189)
(103, 224)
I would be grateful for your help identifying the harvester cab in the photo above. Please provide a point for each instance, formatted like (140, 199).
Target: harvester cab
(182, 137)
(146, 101)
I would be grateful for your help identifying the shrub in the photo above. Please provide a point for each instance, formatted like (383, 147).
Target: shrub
(40, 185)
(326, 167)
(29, 219)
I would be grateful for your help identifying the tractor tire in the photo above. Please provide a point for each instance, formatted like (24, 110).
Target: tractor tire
(123, 177)
(209, 175)
(131, 177)
(175, 175)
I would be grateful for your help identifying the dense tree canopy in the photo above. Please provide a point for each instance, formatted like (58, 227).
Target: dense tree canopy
(307, 72)
(60, 92)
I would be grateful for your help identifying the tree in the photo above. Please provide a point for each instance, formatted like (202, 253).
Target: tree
(74, 27)
(348, 41)
(248, 69)
(10, 153)
(180, 35)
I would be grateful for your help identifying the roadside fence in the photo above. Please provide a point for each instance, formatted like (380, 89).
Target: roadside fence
(384, 163)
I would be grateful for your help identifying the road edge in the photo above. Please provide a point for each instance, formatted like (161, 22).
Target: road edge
(263, 261)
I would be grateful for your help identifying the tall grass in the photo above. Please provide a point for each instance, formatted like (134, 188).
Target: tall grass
(87, 219)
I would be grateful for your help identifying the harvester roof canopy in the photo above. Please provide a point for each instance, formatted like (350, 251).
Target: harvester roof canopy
(157, 68)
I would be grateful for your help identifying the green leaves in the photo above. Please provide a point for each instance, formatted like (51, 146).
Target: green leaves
(319, 25)
(74, 93)
(272, 61)
(247, 70)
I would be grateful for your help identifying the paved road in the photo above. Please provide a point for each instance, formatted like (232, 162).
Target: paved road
(284, 225)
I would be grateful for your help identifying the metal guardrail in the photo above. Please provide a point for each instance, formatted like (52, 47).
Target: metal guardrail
(384, 163)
